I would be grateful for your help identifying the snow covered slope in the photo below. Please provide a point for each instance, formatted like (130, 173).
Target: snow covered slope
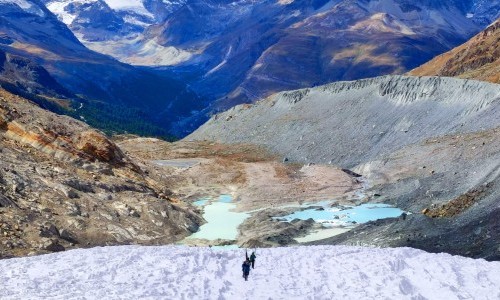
(114, 27)
(324, 272)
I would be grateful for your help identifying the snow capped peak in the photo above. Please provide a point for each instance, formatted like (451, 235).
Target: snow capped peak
(26, 6)
(124, 4)
(131, 11)
(137, 6)
(58, 8)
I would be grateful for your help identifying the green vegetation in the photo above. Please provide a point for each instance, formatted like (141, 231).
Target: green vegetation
(115, 119)
(111, 119)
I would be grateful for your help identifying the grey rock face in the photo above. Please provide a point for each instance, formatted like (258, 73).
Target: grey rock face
(352, 122)
(52, 246)
(6, 202)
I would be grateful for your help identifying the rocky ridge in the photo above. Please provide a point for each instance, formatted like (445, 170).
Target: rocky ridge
(478, 58)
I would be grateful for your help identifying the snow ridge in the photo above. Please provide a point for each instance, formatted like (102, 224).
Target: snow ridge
(320, 272)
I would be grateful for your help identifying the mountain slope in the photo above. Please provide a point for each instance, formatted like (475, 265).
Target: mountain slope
(428, 145)
(115, 28)
(24, 75)
(102, 82)
(65, 185)
(351, 41)
(351, 122)
(324, 272)
(258, 49)
(479, 58)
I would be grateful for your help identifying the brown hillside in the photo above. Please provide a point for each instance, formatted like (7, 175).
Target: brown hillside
(479, 58)
(64, 185)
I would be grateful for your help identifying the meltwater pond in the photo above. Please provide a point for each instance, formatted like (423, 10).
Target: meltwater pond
(336, 221)
(352, 214)
(222, 222)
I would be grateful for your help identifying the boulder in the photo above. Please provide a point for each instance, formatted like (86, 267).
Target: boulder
(52, 245)
(68, 236)
(6, 202)
(49, 230)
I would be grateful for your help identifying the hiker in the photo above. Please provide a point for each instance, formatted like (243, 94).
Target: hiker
(245, 267)
(252, 259)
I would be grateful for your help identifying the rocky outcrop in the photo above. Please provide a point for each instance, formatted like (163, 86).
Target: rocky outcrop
(45, 133)
(98, 146)
(264, 229)
(460, 204)
(479, 58)
(65, 185)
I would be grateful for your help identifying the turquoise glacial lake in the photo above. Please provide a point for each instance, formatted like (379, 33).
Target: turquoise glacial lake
(355, 214)
(222, 222)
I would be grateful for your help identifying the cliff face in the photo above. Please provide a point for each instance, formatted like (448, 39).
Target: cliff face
(64, 184)
(479, 58)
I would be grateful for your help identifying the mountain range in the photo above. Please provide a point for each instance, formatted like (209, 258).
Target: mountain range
(246, 50)
(427, 145)
(127, 98)
(197, 57)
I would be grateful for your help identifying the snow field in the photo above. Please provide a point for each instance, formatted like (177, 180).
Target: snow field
(179, 272)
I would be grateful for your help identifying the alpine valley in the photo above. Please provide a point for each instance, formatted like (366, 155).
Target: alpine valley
(326, 125)
(207, 56)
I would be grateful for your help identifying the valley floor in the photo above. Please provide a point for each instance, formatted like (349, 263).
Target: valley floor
(178, 272)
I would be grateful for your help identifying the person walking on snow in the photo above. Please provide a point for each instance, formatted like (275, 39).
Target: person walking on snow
(245, 267)
(252, 259)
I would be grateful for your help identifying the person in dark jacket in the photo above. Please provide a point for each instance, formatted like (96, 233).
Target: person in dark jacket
(245, 267)
(252, 259)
